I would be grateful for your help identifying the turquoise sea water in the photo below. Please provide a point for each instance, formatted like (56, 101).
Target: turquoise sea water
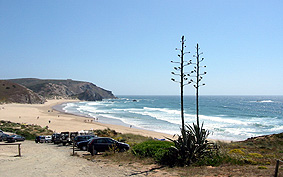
(226, 117)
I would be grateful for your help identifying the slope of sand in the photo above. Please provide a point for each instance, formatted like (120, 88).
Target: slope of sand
(44, 115)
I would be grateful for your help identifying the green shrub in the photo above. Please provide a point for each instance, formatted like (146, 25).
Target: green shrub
(158, 150)
(27, 131)
(256, 155)
(236, 151)
(250, 161)
(28, 135)
(7, 129)
(105, 133)
(262, 167)
(217, 158)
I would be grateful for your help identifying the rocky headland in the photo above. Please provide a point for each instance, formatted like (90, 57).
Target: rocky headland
(31, 90)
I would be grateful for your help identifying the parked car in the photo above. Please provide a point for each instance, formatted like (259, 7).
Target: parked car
(82, 145)
(48, 139)
(68, 137)
(39, 139)
(4, 136)
(56, 138)
(83, 138)
(102, 144)
(14, 138)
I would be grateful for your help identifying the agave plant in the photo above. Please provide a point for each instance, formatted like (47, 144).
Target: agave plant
(199, 140)
(188, 149)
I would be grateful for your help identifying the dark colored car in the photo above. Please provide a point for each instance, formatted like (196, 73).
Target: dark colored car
(39, 139)
(102, 144)
(83, 138)
(68, 137)
(14, 138)
(3, 136)
(56, 138)
(82, 145)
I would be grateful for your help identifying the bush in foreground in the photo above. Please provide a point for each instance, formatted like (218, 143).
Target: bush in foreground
(158, 150)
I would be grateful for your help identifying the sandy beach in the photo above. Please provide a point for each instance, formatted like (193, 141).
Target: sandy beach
(45, 115)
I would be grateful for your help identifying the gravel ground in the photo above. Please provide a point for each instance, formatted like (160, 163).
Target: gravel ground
(53, 160)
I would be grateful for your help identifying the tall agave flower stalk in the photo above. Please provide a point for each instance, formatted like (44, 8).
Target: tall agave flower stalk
(198, 76)
(179, 71)
(192, 144)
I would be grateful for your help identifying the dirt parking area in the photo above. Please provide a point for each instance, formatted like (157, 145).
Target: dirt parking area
(51, 160)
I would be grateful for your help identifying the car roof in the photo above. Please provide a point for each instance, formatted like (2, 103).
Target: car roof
(85, 135)
(102, 138)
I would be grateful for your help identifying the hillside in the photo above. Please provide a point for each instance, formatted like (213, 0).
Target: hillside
(65, 89)
(14, 93)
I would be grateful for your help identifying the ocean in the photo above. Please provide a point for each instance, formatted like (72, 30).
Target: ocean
(226, 117)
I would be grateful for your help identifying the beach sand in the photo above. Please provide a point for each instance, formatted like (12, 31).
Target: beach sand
(45, 115)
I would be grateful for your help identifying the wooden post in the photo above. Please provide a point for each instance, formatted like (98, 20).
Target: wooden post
(276, 168)
(19, 147)
(73, 148)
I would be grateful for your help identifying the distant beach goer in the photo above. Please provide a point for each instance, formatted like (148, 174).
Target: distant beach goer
(49, 121)
(37, 117)
(130, 126)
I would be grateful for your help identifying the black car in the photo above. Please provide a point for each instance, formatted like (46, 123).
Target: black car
(39, 139)
(3, 136)
(14, 138)
(82, 145)
(56, 138)
(68, 137)
(102, 144)
(83, 138)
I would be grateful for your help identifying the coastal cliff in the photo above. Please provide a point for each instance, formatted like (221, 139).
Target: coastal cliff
(14, 93)
(56, 89)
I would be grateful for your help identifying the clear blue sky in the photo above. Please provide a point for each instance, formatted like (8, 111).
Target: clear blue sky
(126, 46)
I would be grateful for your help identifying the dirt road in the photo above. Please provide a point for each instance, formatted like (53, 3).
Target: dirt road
(53, 160)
